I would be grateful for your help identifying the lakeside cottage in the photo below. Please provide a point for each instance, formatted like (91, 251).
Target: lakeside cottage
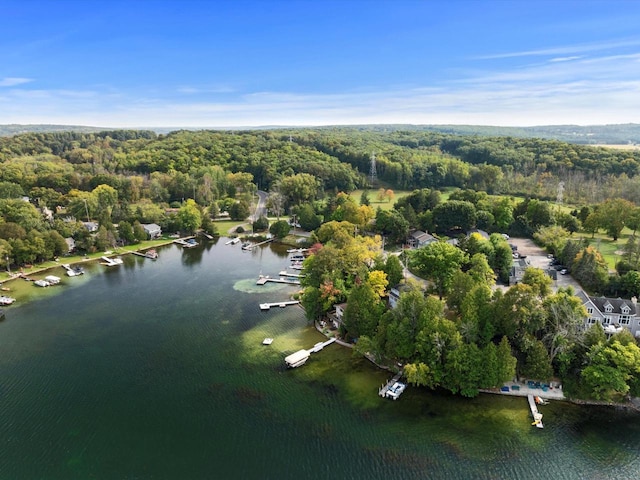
(153, 230)
(419, 239)
(613, 314)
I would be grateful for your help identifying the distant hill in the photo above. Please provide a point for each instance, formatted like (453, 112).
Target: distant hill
(618, 134)
(15, 129)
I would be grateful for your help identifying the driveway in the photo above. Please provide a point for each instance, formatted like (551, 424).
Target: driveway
(537, 257)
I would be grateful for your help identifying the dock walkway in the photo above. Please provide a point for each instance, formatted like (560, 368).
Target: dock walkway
(264, 279)
(537, 416)
(267, 306)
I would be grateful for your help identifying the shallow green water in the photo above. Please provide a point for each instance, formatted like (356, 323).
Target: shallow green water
(155, 370)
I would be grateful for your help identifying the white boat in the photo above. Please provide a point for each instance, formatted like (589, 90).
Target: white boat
(246, 246)
(395, 390)
(192, 242)
(4, 300)
(152, 254)
(41, 283)
(74, 271)
(233, 241)
(267, 341)
(52, 279)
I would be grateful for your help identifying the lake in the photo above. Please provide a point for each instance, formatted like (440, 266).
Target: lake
(156, 370)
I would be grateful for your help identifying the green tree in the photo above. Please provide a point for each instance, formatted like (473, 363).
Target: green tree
(125, 231)
(538, 280)
(454, 214)
(590, 269)
(363, 312)
(261, 224)
(189, 216)
(438, 261)
(537, 364)
(239, 210)
(613, 215)
(394, 270)
(280, 228)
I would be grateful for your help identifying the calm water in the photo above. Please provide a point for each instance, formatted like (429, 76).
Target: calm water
(155, 370)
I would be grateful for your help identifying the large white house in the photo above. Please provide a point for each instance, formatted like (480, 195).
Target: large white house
(613, 314)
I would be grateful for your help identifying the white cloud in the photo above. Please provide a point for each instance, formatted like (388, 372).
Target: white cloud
(565, 50)
(13, 81)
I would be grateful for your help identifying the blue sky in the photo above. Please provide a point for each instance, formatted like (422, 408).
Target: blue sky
(189, 63)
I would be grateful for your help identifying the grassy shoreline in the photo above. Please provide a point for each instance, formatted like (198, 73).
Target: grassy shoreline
(79, 259)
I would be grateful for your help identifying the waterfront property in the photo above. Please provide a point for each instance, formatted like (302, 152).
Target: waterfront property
(613, 314)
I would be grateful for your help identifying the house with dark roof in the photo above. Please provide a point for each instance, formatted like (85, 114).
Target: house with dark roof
(419, 239)
(613, 314)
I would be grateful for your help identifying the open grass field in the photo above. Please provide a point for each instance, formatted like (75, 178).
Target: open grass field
(625, 146)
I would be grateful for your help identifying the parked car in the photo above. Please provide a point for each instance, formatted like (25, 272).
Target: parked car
(563, 271)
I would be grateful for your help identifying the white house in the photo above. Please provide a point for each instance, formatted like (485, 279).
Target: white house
(71, 243)
(153, 230)
(613, 314)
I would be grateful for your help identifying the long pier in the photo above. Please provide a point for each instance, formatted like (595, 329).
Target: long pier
(264, 279)
(267, 306)
(284, 273)
(537, 416)
(252, 246)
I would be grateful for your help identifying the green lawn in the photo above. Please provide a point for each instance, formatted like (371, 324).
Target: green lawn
(375, 203)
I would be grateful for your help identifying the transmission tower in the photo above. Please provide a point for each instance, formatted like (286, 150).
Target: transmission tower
(373, 175)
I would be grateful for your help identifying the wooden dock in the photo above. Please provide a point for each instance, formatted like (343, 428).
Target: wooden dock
(284, 273)
(320, 345)
(264, 279)
(254, 245)
(267, 306)
(537, 416)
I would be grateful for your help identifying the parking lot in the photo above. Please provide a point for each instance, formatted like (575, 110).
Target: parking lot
(537, 257)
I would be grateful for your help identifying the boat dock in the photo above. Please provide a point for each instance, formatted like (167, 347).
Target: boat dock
(111, 262)
(233, 241)
(146, 255)
(385, 389)
(252, 246)
(320, 345)
(267, 306)
(284, 273)
(264, 279)
(537, 416)
(300, 357)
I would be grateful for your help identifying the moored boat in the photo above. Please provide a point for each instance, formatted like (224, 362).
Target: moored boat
(4, 300)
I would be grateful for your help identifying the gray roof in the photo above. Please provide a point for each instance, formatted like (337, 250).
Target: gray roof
(616, 303)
